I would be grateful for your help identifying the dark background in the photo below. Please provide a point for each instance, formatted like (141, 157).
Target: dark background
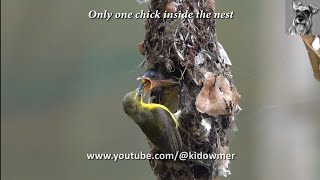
(64, 77)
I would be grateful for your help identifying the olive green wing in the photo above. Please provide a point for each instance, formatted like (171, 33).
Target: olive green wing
(171, 141)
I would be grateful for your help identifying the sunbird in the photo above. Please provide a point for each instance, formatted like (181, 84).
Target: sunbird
(156, 121)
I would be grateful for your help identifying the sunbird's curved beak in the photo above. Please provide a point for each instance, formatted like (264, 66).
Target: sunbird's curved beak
(140, 89)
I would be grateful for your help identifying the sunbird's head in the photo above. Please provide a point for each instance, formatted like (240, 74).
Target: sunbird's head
(132, 99)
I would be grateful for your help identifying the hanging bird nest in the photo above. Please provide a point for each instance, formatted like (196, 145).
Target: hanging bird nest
(187, 49)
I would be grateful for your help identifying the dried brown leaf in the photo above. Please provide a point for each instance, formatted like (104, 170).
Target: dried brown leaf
(217, 97)
(314, 55)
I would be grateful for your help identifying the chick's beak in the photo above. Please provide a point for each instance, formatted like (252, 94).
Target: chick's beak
(148, 84)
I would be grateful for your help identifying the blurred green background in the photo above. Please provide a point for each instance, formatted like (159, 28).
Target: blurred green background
(63, 77)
